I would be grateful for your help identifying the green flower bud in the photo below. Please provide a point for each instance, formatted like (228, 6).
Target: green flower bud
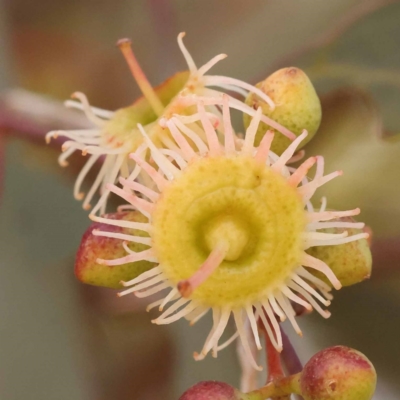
(338, 373)
(350, 262)
(94, 247)
(297, 106)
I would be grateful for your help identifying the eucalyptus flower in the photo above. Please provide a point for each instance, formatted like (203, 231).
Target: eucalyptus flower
(228, 227)
(115, 135)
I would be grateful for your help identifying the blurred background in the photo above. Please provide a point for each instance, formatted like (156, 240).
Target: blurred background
(62, 340)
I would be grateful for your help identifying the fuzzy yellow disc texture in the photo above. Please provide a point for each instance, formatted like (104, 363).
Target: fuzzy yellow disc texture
(249, 206)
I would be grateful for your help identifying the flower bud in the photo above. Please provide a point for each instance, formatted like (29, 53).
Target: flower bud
(94, 247)
(350, 262)
(212, 390)
(338, 373)
(297, 106)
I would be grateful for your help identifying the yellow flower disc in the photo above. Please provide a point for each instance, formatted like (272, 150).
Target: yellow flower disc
(236, 200)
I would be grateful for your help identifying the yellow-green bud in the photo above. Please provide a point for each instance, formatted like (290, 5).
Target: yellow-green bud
(297, 106)
(350, 262)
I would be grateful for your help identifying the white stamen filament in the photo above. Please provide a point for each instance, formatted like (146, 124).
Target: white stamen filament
(315, 263)
(237, 314)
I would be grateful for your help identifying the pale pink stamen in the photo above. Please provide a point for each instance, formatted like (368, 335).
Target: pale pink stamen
(122, 236)
(263, 149)
(315, 263)
(288, 153)
(151, 194)
(88, 110)
(301, 172)
(158, 179)
(228, 131)
(328, 215)
(215, 80)
(253, 325)
(141, 204)
(211, 135)
(207, 66)
(297, 157)
(143, 255)
(251, 132)
(188, 152)
(189, 60)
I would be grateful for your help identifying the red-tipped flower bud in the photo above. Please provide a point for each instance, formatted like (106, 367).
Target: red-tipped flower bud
(212, 390)
(338, 373)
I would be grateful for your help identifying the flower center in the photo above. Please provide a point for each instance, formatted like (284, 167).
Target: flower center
(246, 209)
(229, 230)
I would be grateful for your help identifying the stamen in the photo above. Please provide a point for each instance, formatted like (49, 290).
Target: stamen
(144, 285)
(338, 224)
(328, 215)
(260, 312)
(84, 171)
(315, 263)
(153, 290)
(253, 324)
(263, 149)
(220, 326)
(182, 164)
(99, 112)
(323, 204)
(142, 226)
(290, 295)
(198, 317)
(143, 276)
(212, 137)
(169, 170)
(87, 109)
(216, 80)
(277, 339)
(158, 179)
(288, 309)
(153, 305)
(301, 172)
(186, 54)
(318, 236)
(306, 191)
(170, 296)
(242, 333)
(228, 342)
(151, 194)
(317, 307)
(300, 282)
(239, 105)
(320, 167)
(146, 255)
(140, 77)
(186, 287)
(288, 153)
(228, 131)
(348, 239)
(181, 141)
(297, 157)
(144, 206)
(206, 67)
(181, 302)
(185, 311)
(191, 135)
(251, 131)
(276, 308)
(320, 284)
(62, 159)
